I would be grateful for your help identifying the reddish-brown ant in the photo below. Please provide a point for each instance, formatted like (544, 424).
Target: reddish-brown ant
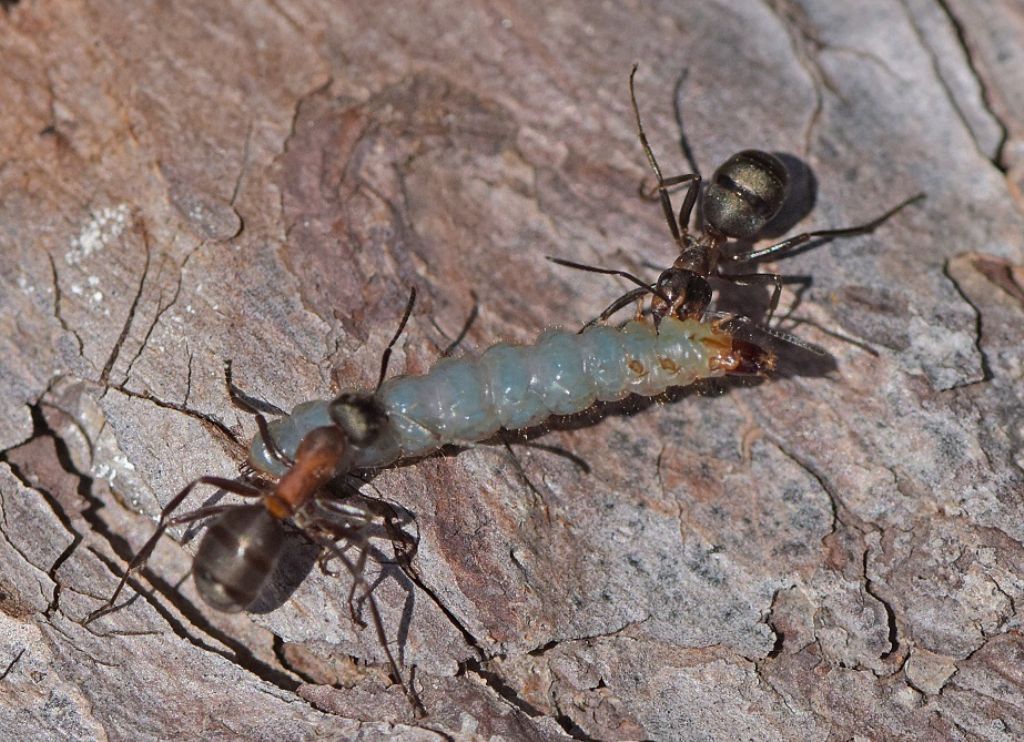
(243, 542)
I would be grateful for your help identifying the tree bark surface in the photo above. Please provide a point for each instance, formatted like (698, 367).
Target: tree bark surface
(836, 551)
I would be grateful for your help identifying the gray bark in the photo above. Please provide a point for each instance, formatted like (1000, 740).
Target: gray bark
(837, 551)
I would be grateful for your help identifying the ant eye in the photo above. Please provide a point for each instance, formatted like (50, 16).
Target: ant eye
(745, 193)
(360, 416)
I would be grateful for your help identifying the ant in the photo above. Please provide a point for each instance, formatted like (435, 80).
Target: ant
(744, 194)
(243, 543)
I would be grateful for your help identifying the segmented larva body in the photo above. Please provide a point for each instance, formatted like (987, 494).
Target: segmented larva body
(462, 400)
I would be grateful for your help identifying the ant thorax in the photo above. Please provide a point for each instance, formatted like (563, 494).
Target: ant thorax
(698, 253)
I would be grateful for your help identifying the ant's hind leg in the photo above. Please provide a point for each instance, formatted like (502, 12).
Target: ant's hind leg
(663, 184)
(790, 242)
(165, 522)
(378, 623)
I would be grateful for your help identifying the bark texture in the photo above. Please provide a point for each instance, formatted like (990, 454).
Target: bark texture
(836, 552)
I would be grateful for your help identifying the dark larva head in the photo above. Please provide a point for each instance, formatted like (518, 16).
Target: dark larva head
(360, 416)
(745, 192)
(236, 556)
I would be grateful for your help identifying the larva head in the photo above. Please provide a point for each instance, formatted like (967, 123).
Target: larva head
(745, 193)
(748, 359)
(737, 357)
(360, 416)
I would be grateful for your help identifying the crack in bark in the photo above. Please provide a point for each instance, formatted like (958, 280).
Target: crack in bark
(126, 327)
(511, 696)
(979, 330)
(948, 91)
(890, 612)
(4, 528)
(282, 659)
(800, 36)
(57, 298)
(161, 310)
(998, 157)
(780, 636)
(210, 422)
(835, 505)
(467, 635)
(843, 517)
(562, 718)
(807, 45)
(765, 680)
(188, 378)
(41, 429)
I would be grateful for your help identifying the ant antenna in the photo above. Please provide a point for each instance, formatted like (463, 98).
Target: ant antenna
(612, 272)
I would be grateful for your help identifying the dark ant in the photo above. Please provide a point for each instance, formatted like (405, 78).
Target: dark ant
(243, 543)
(744, 194)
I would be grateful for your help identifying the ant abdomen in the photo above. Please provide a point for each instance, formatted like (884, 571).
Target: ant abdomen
(236, 557)
(745, 193)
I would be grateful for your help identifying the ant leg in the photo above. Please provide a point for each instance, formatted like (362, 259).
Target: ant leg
(610, 272)
(677, 225)
(689, 201)
(385, 357)
(791, 242)
(670, 182)
(165, 522)
(356, 522)
(623, 301)
(256, 407)
(404, 545)
(272, 448)
(245, 402)
(473, 313)
(360, 565)
(378, 622)
(759, 279)
(748, 325)
(666, 201)
(343, 505)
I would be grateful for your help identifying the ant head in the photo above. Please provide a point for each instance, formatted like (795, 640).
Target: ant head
(361, 416)
(688, 294)
(745, 193)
